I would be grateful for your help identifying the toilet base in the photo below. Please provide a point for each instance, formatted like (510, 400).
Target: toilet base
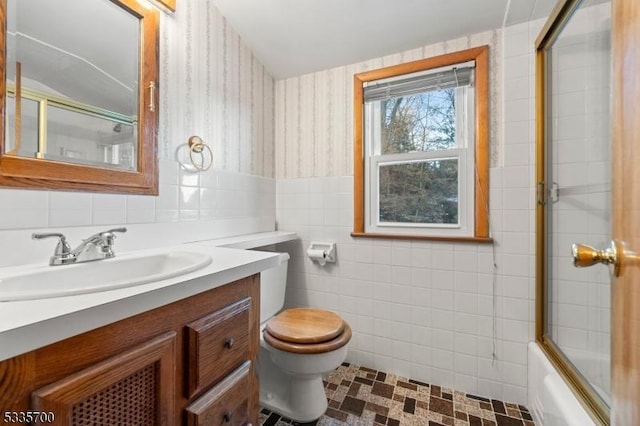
(302, 407)
(299, 397)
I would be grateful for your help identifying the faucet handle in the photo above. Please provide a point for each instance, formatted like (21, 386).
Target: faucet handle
(62, 253)
(123, 229)
(63, 246)
(107, 238)
(108, 235)
(110, 232)
(40, 235)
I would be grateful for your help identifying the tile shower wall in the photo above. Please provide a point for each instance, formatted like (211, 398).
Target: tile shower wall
(211, 85)
(435, 312)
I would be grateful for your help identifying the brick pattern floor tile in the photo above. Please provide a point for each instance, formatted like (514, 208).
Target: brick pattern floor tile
(361, 396)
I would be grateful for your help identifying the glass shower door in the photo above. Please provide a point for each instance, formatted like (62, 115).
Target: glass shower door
(577, 195)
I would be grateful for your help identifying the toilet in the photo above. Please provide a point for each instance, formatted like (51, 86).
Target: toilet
(297, 347)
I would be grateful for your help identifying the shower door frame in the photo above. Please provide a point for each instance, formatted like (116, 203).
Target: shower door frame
(597, 408)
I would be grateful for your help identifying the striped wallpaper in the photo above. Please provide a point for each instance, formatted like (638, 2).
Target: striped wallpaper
(213, 86)
(314, 112)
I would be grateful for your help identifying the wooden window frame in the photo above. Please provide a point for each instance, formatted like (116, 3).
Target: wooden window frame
(481, 144)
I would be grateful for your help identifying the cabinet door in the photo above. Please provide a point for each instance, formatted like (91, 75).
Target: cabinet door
(225, 404)
(136, 387)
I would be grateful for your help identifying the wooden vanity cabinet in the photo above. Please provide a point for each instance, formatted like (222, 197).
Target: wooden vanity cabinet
(190, 362)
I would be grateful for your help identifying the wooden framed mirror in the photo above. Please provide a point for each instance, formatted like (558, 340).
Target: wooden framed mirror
(78, 88)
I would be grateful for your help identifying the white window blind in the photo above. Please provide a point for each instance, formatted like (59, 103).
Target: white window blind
(453, 77)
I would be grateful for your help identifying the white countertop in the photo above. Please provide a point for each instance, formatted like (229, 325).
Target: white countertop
(31, 324)
(252, 241)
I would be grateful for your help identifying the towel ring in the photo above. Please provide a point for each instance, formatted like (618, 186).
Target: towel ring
(198, 147)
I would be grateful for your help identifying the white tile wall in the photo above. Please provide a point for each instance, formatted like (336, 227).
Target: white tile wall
(437, 312)
(419, 309)
(181, 213)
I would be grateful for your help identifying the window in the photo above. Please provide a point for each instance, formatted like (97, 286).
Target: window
(421, 136)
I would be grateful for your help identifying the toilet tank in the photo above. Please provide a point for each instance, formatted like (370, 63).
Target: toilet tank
(273, 283)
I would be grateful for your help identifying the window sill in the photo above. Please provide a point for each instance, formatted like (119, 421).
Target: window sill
(481, 240)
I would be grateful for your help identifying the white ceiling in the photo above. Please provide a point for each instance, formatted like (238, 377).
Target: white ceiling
(295, 37)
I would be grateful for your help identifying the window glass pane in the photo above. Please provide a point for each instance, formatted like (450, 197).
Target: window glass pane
(422, 122)
(419, 192)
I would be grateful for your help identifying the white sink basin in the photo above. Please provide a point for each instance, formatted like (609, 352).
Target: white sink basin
(43, 282)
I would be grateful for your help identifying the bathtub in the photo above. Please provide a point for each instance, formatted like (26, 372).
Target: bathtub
(550, 400)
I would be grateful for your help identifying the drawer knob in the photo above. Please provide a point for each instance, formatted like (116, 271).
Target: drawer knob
(229, 343)
(227, 416)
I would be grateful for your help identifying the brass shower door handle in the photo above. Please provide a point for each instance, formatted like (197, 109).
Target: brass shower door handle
(615, 255)
(584, 255)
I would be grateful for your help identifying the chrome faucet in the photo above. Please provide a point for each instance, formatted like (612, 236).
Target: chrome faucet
(96, 247)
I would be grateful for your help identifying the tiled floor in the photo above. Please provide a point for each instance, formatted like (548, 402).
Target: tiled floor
(362, 396)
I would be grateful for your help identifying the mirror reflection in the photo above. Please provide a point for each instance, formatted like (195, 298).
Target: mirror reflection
(72, 82)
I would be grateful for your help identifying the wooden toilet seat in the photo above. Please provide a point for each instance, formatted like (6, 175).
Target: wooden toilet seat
(307, 331)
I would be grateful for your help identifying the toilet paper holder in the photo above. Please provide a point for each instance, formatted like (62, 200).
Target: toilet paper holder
(322, 252)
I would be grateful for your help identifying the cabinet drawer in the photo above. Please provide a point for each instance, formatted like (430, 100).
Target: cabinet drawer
(217, 343)
(227, 403)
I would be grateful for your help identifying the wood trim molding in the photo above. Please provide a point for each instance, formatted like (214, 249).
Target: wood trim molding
(482, 144)
(488, 240)
(358, 154)
(35, 173)
(481, 196)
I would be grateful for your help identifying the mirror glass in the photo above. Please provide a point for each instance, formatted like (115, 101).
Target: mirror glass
(72, 75)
